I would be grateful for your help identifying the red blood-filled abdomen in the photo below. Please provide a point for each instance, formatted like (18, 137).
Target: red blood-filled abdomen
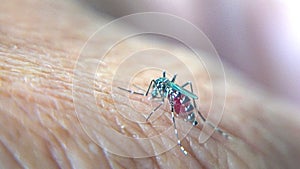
(179, 108)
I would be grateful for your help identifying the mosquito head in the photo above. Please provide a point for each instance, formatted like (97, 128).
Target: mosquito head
(159, 87)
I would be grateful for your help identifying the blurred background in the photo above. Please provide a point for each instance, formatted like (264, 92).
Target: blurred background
(261, 39)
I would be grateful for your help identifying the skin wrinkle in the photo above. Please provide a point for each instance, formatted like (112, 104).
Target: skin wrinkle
(265, 138)
(45, 103)
(254, 145)
(194, 163)
(226, 162)
(210, 146)
(56, 148)
(9, 161)
(11, 148)
(48, 137)
(48, 131)
(121, 162)
(43, 140)
(108, 159)
(234, 154)
(55, 135)
(199, 157)
(152, 141)
(143, 131)
(21, 156)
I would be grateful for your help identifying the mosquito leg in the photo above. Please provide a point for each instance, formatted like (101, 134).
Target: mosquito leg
(136, 86)
(156, 108)
(152, 81)
(131, 91)
(174, 77)
(176, 132)
(224, 134)
(138, 93)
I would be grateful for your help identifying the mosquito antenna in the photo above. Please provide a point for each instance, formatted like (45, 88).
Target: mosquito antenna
(131, 91)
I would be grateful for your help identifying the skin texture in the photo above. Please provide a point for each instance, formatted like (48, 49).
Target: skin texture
(39, 46)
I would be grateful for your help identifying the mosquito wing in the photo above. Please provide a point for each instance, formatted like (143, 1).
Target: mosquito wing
(183, 91)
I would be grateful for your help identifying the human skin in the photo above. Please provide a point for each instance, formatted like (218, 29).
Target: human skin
(40, 45)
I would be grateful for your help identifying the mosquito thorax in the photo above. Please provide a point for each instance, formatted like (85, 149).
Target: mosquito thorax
(160, 87)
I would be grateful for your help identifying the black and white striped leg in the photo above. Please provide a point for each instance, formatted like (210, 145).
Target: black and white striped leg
(138, 87)
(152, 82)
(223, 133)
(131, 91)
(156, 108)
(176, 132)
(161, 99)
(138, 93)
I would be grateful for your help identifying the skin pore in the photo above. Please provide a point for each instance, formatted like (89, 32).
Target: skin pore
(39, 45)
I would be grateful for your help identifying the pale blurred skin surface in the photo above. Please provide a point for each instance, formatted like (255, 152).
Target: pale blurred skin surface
(259, 38)
(40, 42)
